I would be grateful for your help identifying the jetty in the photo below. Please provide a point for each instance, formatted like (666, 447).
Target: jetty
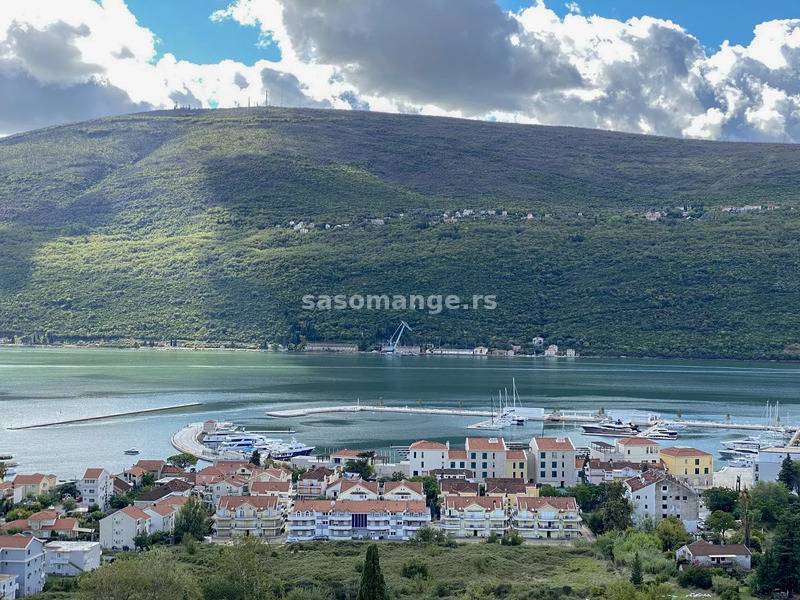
(109, 416)
(187, 440)
(354, 408)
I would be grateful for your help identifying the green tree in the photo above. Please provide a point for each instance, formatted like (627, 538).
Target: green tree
(617, 511)
(636, 570)
(192, 521)
(549, 491)
(720, 522)
(360, 467)
(373, 586)
(588, 495)
(719, 498)
(255, 458)
(182, 460)
(789, 475)
(768, 501)
(672, 533)
(765, 580)
(3, 470)
(787, 553)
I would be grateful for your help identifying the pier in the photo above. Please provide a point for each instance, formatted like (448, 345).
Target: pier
(187, 440)
(110, 416)
(409, 410)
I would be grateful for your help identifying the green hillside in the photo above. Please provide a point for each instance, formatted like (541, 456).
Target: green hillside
(178, 225)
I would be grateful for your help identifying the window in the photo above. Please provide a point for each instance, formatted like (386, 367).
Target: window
(542, 475)
(697, 461)
(544, 455)
(463, 464)
(484, 475)
(484, 456)
(705, 471)
(555, 465)
(542, 465)
(697, 471)
(473, 465)
(473, 456)
(483, 465)
(555, 474)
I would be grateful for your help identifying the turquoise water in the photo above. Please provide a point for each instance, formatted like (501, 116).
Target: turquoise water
(41, 385)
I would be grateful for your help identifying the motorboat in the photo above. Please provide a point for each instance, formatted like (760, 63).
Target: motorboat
(612, 429)
(131, 452)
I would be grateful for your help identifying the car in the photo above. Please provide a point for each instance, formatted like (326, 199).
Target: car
(292, 538)
(323, 538)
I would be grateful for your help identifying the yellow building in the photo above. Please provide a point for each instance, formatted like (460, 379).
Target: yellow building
(689, 464)
(516, 464)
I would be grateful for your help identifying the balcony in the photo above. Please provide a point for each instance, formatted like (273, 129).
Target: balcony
(340, 527)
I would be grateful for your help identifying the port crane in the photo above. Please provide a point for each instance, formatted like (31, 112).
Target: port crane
(394, 341)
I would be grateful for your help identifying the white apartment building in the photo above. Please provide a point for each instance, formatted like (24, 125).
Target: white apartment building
(767, 463)
(637, 450)
(71, 558)
(660, 495)
(357, 519)
(464, 516)
(118, 530)
(486, 457)
(425, 456)
(552, 461)
(96, 487)
(555, 518)
(162, 518)
(23, 556)
(404, 491)
(8, 587)
(249, 516)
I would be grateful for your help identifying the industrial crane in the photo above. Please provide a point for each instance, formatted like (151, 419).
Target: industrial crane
(394, 341)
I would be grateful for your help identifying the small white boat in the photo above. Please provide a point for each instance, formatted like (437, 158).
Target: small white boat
(131, 452)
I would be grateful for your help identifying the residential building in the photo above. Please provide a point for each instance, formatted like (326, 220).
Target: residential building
(162, 518)
(23, 556)
(282, 489)
(35, 485)
(71, 558)
(638, 450)
(174, 487)
(424, 456)
(456, 460)
(314, 483)
(96, 487)
(600, 471)
(510, 489)
(690, 464)
(552, 462)
(365, 519)
(486, 457)
(358, 490)
(536, 518)
(552, 350)
(8, 587)
(474, 517)
(230, 486)
(43, 524)
(701, 552)
(459, 487)
(404, 491)
(118, 530)
(249, 516)
(133, 476)
(767, 463)
(153, 467)
(659, 495)
(516, 464)
(209, 476)
(9, 492)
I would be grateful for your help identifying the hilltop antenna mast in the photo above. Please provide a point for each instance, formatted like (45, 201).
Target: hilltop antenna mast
(266, 98)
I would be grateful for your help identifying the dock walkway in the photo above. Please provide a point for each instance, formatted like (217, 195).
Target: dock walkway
(187, 440)
(414, 410)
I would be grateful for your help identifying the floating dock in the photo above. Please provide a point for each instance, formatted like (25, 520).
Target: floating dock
(110, 416)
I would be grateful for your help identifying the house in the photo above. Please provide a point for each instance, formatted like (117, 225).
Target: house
(690, 464)
(767, 463)
(424, 456)
(314, 483)
(486, 457)
(230, 486)
(459, 487)
(557, 518)
(404, 491)
(474, 517)
(480, 351)
(11, 493)
(35, 484)
(342, 457)
(118, 530)
(133, 476)
(704, 553)
(162, 518)
(571, 353)
(516, 464)
(282, 489)
(510, 489)
(174, 487)
(209, 476)
(71, 558)
(249, 516)
(8, 587)
(552, 350)
(96, 487)
(358, 490)
(552, 461)
(23, 556)
(151, 466)
(600, 471)
(659, 495)
(121, 486)
(637, 450)
(366, 519)
(43, 524)
(538, 341)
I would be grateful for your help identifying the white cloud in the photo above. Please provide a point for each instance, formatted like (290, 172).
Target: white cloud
(63, 60)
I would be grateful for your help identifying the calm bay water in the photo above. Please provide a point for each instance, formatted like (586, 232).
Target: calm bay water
(42, 385)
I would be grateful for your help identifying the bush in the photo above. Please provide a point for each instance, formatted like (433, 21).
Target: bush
(414, 568)
(722, 583)
(696, 576)
(729, 595)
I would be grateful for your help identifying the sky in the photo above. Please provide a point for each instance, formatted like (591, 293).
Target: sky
(702, 69)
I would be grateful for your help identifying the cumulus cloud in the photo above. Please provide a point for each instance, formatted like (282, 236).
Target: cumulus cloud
(64, 60)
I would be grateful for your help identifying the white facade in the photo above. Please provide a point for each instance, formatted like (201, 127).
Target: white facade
(71, 558)
(96, 487)
(486, 457)
(659, 496)
(8, 587)
(767, 463)
(118, 530)
(162, 518)
(474, 517)
(552, 462)
(24, 557)
(424, 456)
(547, 518)
(366, 519)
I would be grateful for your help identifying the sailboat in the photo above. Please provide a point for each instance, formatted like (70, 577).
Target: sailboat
(493, 424)
(510, 412)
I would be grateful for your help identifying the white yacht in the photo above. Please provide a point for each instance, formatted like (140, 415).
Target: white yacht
(609, 429)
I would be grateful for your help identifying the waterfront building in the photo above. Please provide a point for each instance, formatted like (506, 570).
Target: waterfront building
(552, 462)
(659, 495)
(486, 457)
(689, 464)
(118, 530)
(425, 456)
(366, 519)
(637, 450)
(474, 517)
(96, 487)
(249, 516)
(767, 463)
(548, 518)
(71, 558)
(23, 556)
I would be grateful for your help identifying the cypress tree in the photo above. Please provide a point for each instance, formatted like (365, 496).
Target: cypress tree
(636, 571)
(373, 586)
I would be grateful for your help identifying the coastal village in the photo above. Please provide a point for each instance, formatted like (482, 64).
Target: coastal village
(487, 489)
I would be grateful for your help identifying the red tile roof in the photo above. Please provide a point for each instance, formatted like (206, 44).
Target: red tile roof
(650, 477)
(459, 486)
(414, 486)
(136, 513)
(516, 455)
(368, 506)
(460, 503)
(505, 485)
(257, 502)
(161, 509)
(317, 474)
(21, 524)
(349, 484)
(683, 451)
(426, 445)
(347, 453)
(44, 515)
(556, 502)
(93, 473)
(15, 541)
(68, 524)
(34, 479)
(174, 501)
(560, 443)
(636, 441)
(490, 444)
(704, 548)
(136, 471)
(150, 465)
(457, 454)
(270, 487)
